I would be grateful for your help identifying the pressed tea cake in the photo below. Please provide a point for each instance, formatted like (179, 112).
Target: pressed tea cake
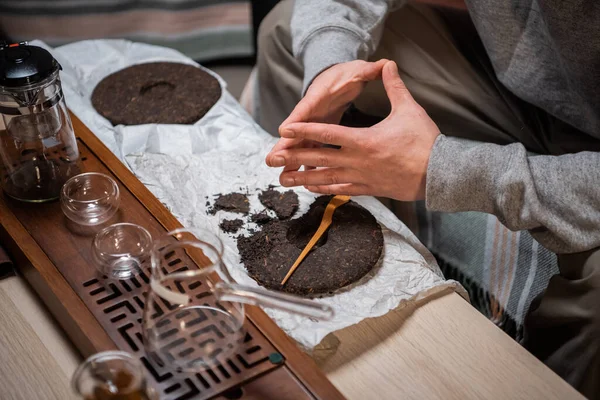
(156, 93)
(347, 252)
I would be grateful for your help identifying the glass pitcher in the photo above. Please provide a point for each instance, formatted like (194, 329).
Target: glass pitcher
(38, 150)
(192, 321)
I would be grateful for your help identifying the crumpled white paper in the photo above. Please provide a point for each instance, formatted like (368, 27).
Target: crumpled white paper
(185, 166)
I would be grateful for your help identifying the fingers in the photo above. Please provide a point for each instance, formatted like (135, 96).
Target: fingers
(310, 107)
(297, 167)
(350, 189)
(323, 133)
(322, 157)
(321, 176)
(302, 112)
(372, 70)
(283, 144)
(394, 87)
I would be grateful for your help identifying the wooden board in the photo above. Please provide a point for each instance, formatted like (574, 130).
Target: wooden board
(22, 350)
(100, 315)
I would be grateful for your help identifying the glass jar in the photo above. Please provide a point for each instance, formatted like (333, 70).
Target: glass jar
(38, 149)
(112, 375)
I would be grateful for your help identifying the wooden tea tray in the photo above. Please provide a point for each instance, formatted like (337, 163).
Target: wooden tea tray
(98, 315)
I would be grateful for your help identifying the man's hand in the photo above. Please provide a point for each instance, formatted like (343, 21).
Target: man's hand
(388, 159)
(326, 99)
(332, 91)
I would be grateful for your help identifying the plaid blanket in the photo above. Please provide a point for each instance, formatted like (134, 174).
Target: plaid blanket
(503, 271)
(201, 29)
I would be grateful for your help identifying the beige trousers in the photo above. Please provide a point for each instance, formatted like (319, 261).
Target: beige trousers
(444, 65)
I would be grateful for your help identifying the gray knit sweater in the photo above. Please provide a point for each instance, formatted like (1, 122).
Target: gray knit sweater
(547, 52)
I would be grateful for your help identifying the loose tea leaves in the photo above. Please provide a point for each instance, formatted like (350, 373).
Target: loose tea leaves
(261, 218)
(231, 225)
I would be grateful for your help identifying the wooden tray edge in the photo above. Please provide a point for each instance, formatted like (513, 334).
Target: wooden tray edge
(77, 321)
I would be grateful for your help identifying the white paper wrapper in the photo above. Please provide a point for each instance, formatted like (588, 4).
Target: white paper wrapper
(185, 166)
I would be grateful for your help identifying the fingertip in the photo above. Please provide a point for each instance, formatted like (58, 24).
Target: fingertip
(268, 160)
(373, 70)
(290, 120)
(287, 132)
(286, 180)
(273, 160)
(391, 68)
(282, 128)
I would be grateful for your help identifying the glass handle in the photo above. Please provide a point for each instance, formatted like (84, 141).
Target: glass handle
(169, 295)
(280, 301)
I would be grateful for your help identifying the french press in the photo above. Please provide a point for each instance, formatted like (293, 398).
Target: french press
(38, 151)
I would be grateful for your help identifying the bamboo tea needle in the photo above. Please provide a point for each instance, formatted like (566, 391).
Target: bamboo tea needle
(334, 203)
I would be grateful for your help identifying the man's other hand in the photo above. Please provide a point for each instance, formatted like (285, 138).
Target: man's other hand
(332, 91)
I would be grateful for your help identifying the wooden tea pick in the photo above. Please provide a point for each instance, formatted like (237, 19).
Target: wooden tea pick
(334, 203)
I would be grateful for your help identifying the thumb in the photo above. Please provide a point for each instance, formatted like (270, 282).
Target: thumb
(394, 87)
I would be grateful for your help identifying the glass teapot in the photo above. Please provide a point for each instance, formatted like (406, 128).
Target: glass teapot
(192, 321)
(38, 151)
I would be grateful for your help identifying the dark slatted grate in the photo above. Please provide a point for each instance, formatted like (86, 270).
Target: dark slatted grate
(122, 305)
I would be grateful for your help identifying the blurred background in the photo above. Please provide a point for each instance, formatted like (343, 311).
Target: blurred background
(220, 34)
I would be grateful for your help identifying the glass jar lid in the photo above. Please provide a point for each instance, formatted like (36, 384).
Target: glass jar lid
(22, 65)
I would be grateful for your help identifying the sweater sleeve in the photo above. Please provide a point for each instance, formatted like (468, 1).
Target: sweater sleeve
(556, 198)
(328, 32)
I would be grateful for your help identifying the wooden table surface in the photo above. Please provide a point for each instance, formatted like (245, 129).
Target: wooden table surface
(438, 349)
